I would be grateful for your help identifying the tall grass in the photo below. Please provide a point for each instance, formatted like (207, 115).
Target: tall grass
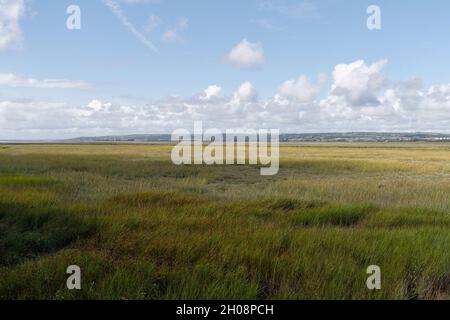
(142, 228)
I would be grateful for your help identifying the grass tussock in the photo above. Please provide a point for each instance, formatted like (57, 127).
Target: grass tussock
(155, 198)
(27, 232)
(26, 181)
(334, 215)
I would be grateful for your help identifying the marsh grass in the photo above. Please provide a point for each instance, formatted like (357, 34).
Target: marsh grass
(142, 228)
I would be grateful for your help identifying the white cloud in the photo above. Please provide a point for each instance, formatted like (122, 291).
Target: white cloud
(246, 54)
(244, 101)
(12, 80)
(117, 10)
(211, 92)
(246, 93)
(97, 105)
(300, 89)
(357, 81)
(11, 11)
(403, 106)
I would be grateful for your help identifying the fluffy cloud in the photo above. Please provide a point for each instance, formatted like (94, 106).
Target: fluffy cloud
(298, 106)
(300, 89)
(211, 92)
(357, 81)
(246, 92)
(11, 11)
(246, 54)
(12, 80)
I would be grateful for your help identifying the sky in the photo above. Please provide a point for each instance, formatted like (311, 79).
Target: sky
(153, 66)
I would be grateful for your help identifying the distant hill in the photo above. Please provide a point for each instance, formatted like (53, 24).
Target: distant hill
(289, 137)
(367, 137)
(125, 138)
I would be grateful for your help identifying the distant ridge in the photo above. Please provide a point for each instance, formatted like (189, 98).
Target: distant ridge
(286, 137)
(289, 137)
(125, 138)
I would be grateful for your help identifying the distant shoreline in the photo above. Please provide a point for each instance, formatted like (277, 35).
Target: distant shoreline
(364, 137)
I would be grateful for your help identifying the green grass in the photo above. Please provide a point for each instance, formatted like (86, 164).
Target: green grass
(333, 215)
(142, 228)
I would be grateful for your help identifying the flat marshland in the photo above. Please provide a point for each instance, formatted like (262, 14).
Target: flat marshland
(142, 228)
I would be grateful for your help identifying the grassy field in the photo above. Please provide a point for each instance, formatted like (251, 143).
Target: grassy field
(141, 228)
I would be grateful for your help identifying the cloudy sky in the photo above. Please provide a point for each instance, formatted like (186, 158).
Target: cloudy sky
(152, 66)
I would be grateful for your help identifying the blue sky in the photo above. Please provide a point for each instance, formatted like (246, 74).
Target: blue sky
(106, 63)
